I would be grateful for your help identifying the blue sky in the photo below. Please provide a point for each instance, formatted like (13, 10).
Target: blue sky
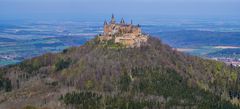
(74, 9)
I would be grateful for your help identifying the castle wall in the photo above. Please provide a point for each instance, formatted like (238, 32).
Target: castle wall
(111, 28)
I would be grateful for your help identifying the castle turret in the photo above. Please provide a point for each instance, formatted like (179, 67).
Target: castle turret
(122, 21)
(113, 20)
(105, 23)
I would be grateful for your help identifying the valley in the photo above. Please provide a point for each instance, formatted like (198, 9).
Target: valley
(200, 38)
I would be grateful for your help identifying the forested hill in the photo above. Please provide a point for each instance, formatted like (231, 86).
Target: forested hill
(105, 75)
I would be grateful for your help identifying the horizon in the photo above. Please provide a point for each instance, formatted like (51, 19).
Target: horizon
(70, 10)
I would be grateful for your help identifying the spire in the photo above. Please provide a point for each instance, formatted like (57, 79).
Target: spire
(113, 19)
(131, 22)
(113, 16)
(105, 22)
(122, 21)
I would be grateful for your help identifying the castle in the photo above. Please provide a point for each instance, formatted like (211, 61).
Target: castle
(123, 33)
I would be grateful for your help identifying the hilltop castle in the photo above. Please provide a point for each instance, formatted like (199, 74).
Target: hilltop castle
(126, 34)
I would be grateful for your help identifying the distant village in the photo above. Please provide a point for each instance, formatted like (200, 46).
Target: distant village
(123, 33)
(229, 61)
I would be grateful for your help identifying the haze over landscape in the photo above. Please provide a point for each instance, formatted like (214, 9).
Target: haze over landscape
(21, 18)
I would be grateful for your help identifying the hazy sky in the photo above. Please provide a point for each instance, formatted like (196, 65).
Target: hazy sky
(74, 9)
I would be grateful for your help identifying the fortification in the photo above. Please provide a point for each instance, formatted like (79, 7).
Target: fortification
(126, 34)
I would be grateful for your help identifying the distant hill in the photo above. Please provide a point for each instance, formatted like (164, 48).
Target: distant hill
(193, 38)
(6, 40)
(108, 76)
(233, 52)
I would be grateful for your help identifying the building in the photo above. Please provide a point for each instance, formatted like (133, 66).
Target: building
(126, 34)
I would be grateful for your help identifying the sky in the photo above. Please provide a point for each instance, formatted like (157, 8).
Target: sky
(80, 9)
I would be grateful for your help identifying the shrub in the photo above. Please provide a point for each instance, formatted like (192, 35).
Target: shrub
(30, 107)
(62, 64)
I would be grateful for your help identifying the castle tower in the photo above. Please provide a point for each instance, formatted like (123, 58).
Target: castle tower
(113, 20)
(105, 22)
(105, 27)
(122, 21)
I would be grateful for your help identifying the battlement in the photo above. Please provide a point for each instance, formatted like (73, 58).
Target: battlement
(126, 34)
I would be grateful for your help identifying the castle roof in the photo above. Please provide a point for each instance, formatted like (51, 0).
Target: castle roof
(122, 21)
(113, 19)
(105, 22)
